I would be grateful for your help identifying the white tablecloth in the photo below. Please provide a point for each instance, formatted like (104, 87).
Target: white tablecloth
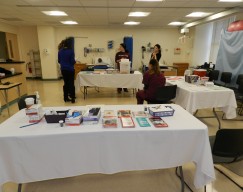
(47, 151)
(110, 80)
(193, 97)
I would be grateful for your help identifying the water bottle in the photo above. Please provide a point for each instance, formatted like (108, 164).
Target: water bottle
(37, 97)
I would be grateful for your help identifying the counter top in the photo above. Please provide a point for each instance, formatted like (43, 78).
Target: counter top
(7, 76)
(13, 62)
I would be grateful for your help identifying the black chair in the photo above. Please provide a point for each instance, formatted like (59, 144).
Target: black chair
(213, 75)
(226, 78)
(227, 147)
(239, 96)
(164, 95)
(239, 77)
(21, 102)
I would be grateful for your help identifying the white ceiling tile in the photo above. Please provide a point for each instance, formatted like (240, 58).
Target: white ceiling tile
(147, 4)
(42, 2)
(121, 3)
(106, 12)
(93, 3)
(67, 2)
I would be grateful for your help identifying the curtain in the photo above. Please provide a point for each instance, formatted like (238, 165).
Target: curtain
(230, 54)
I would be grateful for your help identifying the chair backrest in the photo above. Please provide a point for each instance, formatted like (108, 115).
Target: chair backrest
(214, 75)
(228, 143)
(240, 76)
(21, 102)
(105, 59)
(240, 87)
(226, 77)
(100, 67)
(166, 93)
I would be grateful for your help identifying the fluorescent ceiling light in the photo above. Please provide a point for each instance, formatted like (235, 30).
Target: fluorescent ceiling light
(69, 22)
(231, 1)
(197, 14)
(151, 0)
(177, 23)
(55, 13)
(138, 14)
(131, 23)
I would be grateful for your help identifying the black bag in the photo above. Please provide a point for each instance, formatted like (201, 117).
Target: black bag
(7, 72)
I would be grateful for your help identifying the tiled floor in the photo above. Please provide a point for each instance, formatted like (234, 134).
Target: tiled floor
(144, 181)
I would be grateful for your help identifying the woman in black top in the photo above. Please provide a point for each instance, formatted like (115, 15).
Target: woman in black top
(156, 53)
(122, 54)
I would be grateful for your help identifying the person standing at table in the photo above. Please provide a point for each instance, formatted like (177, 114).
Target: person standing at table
(156, 52)
(152, 79)
(66, 60)
(122, 54)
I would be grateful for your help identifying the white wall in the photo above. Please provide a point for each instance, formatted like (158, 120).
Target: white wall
(8, 28)
(202, 44)
(46, 38)
(98, 38)
(42, 37)
(28, 40)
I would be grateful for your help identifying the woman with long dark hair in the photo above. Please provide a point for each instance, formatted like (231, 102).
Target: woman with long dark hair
(156, 52)
(67, 61)
(152, 79)
(122, 54)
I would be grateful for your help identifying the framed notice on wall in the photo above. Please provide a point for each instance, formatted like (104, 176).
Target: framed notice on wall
(177, 51)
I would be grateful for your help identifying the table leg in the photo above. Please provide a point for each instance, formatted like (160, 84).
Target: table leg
(181, 177)
(18, 92)
(85, 91)
(215, 116)
(6, 100)
(19, 187)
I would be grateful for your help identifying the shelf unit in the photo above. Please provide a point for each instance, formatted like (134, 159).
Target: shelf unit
(35, 63)
(181, 67)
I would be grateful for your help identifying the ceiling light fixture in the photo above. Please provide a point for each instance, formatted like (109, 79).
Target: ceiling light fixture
(131, 23)
(55, 13)
(197, 14)
(138, 14)
(176, 23)
(69, 22)
(231, 1)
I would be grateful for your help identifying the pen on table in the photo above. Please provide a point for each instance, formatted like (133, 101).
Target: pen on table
(31, 123)
(28, 125)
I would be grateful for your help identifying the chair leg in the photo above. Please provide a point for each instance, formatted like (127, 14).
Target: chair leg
(228, 177)
(19, 187)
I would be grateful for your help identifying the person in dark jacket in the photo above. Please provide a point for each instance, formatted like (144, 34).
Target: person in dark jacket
(152, 79)
(67, 61)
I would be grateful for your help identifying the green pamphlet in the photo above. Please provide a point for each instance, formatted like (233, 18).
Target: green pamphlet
(143, 122)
